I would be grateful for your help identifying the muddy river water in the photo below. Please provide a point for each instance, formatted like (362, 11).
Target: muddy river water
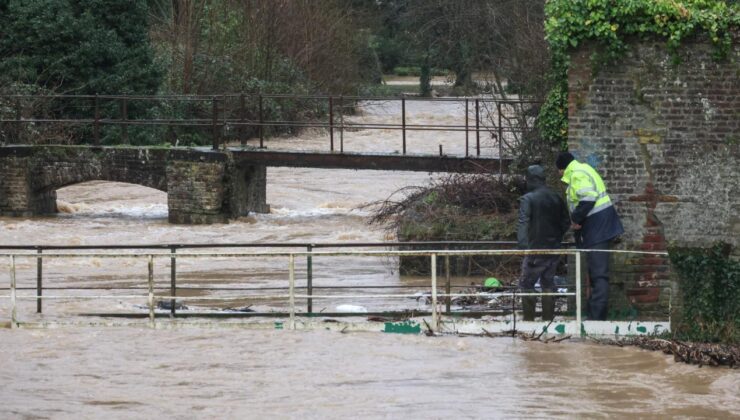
(230, 372)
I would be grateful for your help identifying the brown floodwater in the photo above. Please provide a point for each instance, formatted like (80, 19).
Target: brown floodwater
(192, 372)
(236, 373)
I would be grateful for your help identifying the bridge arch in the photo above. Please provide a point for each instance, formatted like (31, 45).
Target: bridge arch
(201, 186)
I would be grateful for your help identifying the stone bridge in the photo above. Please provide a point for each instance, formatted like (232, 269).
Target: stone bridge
(202, 185)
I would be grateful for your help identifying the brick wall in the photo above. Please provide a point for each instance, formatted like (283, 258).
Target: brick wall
(665, 137)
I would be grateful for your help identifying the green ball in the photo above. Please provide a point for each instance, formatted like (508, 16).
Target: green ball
(492, 282)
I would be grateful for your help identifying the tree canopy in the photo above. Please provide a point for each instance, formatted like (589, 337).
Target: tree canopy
(77, 46)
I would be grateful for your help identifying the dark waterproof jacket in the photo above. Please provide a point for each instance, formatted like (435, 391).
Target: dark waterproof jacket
(543, 214)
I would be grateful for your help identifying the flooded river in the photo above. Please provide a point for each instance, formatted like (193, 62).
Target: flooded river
(213, 373)
(227, 373)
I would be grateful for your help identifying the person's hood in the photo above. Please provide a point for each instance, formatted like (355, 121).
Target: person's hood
(535, 177)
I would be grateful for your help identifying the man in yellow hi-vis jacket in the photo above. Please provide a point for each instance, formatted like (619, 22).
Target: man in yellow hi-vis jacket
(595, 223)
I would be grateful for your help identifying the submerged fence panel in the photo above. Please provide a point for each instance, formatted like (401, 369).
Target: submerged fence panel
(292, 295)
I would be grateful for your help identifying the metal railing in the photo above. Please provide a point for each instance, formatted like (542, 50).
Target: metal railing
(245, 114)
(293, 295)
(309, 247)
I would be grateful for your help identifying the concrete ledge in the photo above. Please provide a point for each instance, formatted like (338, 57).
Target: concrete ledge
(417, 325)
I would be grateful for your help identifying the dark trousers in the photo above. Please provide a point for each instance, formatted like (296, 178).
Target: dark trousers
(598, 272)
(540, 267)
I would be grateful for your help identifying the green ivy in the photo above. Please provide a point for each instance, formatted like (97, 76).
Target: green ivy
(710, 284)
(608, 23)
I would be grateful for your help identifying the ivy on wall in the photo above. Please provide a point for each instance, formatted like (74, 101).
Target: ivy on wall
(710, 283)
(608, 23)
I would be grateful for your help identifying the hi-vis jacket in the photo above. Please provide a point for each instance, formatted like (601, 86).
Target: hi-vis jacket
(590, 205)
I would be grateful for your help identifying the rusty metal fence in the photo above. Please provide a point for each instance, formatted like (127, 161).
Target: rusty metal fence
(82, 119)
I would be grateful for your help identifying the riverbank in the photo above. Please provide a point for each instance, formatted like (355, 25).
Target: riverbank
(702, 354)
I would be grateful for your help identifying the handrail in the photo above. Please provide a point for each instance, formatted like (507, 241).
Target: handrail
(267, 245)
(278, 95)
(292, 295)
(230, 110)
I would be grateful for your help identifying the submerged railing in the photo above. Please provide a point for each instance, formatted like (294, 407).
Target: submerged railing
(292, 294)
(441, 293)
(309, 247)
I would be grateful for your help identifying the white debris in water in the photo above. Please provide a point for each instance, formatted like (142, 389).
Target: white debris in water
(351, 308)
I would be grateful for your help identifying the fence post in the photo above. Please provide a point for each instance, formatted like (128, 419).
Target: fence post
(513, 312)
(578, 293)
(173, 279)
(435, 315)
(309, 278)
(331, 124)
(242, 121)
(39, 281)
(467, 130)
(96, 126)
(150, 297)
(341, 124)
(291, 289)
(124, 118)
(18, 128)
(500, 141)
(448, 299)
(477, 127)
(262, 127)
(215, 124)
(403, 123)
(12, 293)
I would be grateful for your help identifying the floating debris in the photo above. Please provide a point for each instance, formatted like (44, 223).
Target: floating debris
(167, 305)
(351, 308)
(242, 309)
(702, 354)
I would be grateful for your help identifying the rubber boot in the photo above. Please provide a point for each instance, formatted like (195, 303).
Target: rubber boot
(548, 308)
(528, 306)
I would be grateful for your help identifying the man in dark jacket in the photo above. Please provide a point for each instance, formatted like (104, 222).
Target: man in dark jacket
(543, 220)
(595, 223)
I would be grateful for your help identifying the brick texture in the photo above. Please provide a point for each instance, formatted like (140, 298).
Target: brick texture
(664, 134)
